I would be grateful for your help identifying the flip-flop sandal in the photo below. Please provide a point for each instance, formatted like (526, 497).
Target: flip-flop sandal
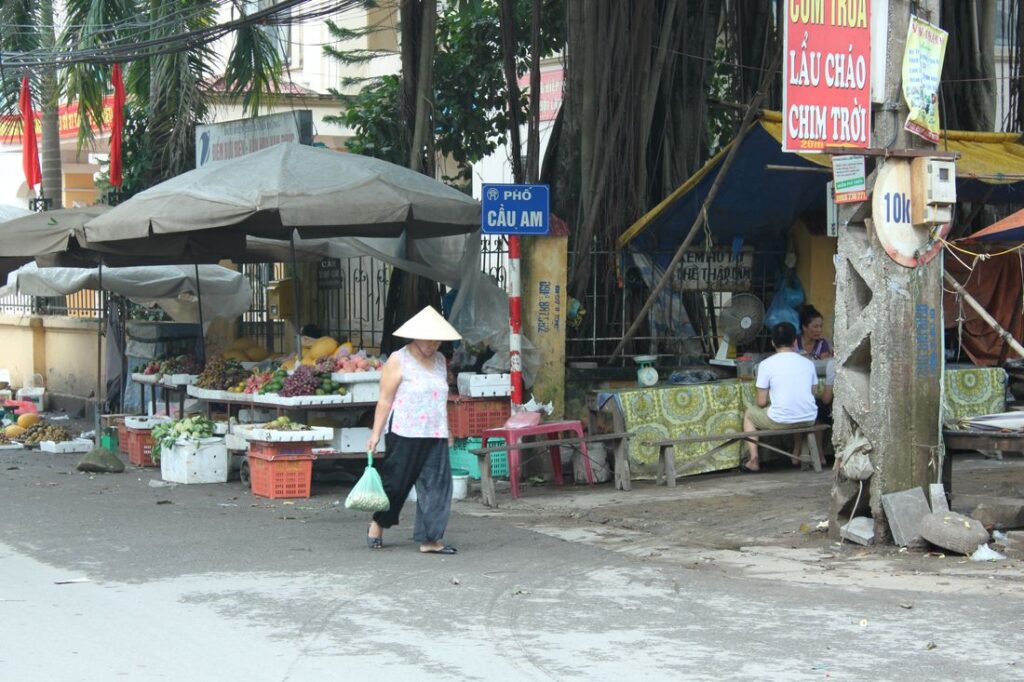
(372, 542)
(447, 549)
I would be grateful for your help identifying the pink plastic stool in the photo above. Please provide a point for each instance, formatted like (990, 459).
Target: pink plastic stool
(514, 437)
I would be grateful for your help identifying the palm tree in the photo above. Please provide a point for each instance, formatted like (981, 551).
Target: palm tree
(168, 46)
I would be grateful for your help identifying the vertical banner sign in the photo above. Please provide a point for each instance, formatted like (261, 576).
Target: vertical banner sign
(922, 68)
(849, 179)
(826, 75)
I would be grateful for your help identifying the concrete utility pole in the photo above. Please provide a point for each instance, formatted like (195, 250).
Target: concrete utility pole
(888, 326)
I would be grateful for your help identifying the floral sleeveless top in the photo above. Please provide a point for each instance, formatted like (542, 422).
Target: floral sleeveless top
(420, 409)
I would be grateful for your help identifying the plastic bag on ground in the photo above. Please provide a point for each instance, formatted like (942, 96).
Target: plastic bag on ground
(368, 493)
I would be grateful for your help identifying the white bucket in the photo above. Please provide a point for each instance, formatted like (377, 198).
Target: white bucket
(460, 484)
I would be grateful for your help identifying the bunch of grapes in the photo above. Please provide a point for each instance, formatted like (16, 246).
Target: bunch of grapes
(303, 381)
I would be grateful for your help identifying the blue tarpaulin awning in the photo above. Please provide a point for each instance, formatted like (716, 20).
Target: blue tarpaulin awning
(759, 205)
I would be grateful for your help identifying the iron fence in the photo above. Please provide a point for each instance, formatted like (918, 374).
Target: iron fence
(83, 304)
(256, 322)
(680, 324)
(352, 305)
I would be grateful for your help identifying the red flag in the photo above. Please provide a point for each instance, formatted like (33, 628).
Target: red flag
(116, 128)
(29, 150)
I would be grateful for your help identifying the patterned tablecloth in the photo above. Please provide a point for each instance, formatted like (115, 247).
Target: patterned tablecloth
(667, 411)
(691, 410)
(971, 391)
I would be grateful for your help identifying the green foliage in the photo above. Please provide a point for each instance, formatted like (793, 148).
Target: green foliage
(371, 113)
(722, 121)
(469, 119)
(253, 69)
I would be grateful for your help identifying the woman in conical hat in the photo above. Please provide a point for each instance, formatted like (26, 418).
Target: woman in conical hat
(413, 415)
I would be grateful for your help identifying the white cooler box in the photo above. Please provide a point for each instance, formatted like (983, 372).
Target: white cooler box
(191, 461)
(33, 395)
(484, 385)
(354, 440)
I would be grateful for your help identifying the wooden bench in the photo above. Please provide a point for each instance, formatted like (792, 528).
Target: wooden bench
(488, 496)
(666, 448)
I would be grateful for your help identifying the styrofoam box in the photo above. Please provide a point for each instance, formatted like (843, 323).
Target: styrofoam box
(36, 396)
(64, 447)
(179, 379)
(254, 415)
(484, 385)
(144, 423)
(205, 393)
(315, 434)
(141, 378)
(221, 428)
(192, 461)
(356, 377)
(234, 441)
(354, 440)
(364, 393)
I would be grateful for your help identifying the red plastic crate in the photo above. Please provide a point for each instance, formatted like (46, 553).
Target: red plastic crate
(265, 449)
(279, 476)
(122, 436)
(468, 417)
(140, 447)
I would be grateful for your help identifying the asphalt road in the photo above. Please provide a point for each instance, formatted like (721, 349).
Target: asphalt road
(103, 577)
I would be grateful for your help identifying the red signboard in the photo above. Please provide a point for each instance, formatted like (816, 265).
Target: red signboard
(826, 75)
(552, 81)
(10, 127)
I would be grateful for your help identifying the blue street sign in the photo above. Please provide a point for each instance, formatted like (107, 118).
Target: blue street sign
(515, 209)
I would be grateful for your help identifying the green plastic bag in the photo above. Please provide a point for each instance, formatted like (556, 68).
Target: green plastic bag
(368, 493)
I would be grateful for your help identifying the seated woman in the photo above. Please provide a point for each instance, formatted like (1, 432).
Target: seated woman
(785, 393)
(811, 341)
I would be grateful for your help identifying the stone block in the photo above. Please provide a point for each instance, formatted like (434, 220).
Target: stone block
(953, 532)
(904, 511)
(1000, 512)
(860, 529)
(937, 496)
(1014, 540)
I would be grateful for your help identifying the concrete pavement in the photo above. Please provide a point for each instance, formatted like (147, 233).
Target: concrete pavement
(207, 582)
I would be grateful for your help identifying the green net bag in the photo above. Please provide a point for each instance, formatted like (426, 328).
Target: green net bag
(368, 493)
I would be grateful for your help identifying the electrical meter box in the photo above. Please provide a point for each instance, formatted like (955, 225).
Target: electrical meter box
(932, 191)
(280, 299)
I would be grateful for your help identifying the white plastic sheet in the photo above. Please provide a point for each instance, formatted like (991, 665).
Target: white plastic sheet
(225, 293)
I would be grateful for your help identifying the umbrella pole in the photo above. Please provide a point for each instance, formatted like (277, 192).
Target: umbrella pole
(99, 361)
(202, 330)
(296, 301)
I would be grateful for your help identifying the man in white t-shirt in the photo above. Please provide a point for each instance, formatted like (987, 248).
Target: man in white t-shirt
(785, 393)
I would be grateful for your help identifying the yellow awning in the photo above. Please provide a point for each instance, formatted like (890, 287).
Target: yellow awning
(996, 158)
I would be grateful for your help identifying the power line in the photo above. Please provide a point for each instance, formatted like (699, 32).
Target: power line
(275, 15)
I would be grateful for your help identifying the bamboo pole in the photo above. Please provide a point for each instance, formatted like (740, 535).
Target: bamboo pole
(991, 321)
(745, 126)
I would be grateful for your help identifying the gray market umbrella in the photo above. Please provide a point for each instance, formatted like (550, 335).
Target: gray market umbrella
(57, 238)
(319, 192)
(11, 212)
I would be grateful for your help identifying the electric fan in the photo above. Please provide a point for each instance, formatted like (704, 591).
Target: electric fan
(739, 322)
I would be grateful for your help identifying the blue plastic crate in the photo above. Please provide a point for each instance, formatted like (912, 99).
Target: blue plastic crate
(461, 457)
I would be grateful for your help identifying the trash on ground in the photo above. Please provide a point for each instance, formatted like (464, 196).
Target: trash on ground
(986, 553)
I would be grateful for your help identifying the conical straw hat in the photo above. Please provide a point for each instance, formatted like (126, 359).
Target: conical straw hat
(428, 325)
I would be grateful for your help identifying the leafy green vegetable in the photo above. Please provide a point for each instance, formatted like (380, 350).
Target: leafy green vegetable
(190, 428)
